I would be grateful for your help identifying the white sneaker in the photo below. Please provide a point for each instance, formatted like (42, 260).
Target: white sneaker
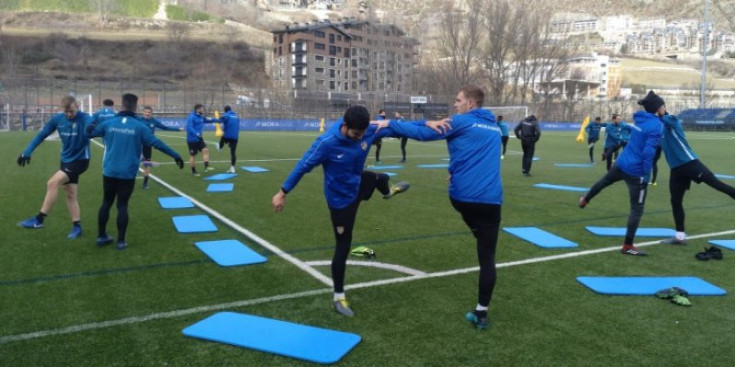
(231, 170)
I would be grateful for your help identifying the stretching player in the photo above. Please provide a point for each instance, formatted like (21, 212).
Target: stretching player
(613, 139)
(194, 127)
(342, 152)
(105, 113)
(504, 135)
(593, 135)
(379, 141)
(634, 167)
(124, 137)
(71, 125)
(231, 128)
(148, 120)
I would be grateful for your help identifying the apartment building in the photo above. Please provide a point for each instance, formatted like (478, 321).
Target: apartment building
(601, 69)
(351, 56)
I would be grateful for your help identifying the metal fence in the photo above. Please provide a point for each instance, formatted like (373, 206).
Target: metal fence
(28, 102)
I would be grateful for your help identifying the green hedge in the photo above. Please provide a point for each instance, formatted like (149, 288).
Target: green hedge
(180, 13)
(131, 8)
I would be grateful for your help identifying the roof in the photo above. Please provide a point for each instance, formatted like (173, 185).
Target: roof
(309, 27)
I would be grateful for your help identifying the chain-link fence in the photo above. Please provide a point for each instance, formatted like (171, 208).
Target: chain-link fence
(29, 102)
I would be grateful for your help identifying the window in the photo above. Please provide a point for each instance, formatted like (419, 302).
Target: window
(332, 61)
(339, 50)
(318, 46)
(280, 38)
(354, 74)
(339, 37)
(331, 38)
(347, 87)
(332, 50)
(331, 84)
(347, 52)
(319, 70)
(354, 63)
(332, 73)
(319, 58)
(319, 34)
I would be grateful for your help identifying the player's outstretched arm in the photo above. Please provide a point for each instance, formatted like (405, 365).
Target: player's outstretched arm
(279, 201)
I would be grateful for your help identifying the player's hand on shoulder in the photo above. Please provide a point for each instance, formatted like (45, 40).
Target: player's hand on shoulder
(440, 126)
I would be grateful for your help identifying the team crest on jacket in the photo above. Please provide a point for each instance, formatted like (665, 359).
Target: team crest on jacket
(364, 145)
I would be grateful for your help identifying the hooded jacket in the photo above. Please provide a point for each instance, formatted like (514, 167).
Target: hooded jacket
(231, 125)
(645, 136)
(528, 130)
(674, 143)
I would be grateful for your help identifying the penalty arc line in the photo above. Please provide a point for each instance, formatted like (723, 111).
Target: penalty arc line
(277, 251)
(251, 302)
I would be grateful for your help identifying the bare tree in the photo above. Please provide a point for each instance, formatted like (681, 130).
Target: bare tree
(104, 8)
(460, 42)
(502, 30)
(177, 32)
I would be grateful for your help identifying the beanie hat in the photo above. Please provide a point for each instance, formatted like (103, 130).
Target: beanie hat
(651, 102)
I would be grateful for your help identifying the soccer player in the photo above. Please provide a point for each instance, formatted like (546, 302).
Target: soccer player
(685, 168)
(475, 188)
(342, 151)
(654, 175)
(148, 120)
(194, 127)
(634, 167)
(593, 135)
(379, 142)
(124, 137)
(104, 113)
(231, 128)
(613, 139)
(529, 133)
(71, 125)
(504, 136)
(404, 140)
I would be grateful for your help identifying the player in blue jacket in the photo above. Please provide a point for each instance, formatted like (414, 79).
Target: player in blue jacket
(342, 151)
(70, 125)
(685, 168)
(593, 135)
(124, 137)
(475, 188)
(379, 141)
(634, 167)
(504, 134)
(194, 127)
(104, 113)
(614, 139)
(231, 130)
(153, 124)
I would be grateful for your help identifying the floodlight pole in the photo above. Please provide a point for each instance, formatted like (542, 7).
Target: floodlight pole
(705, 41)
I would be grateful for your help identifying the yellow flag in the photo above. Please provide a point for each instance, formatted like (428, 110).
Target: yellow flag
(217, 126)
(580, 136)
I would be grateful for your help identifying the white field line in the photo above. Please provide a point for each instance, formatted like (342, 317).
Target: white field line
(277, 251)
(372, 264)
(243, 303)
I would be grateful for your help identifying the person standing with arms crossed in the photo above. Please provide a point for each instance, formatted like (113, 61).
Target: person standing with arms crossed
(124, 137)
(529, 133)
(475, 186)
(71, 126)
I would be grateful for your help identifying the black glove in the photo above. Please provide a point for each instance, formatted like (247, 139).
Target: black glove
(23, 160)
(179, 162)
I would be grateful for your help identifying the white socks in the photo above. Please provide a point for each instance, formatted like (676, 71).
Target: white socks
(339, 296)
(480, 308)
(681, 236)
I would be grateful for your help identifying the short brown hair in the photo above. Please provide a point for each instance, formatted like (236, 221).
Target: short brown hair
(67, 102)
(473, 92)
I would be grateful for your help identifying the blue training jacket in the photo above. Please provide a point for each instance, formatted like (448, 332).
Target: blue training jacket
(194, 126)
(614, 134)
(103, 114)
(342, 160)
(675, 144)
(474, 154)
(645, 137)
(593, 130)
(124, 137)
(503, 128)
(153, 124)
(74, 140)
(231, 125)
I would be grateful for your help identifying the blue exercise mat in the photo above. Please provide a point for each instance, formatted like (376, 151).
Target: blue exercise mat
(561, 187)
(221, 177)
(194, 224)
(540, 238)
(725, 177)
(647, 286)
(175, 202)
(440, 165)
(230, 253)
(380, 168)
(254, 169)
(574, 165)
(641, 232)
(304, 342)
(220, 187)
(728, 244)
(391, 174)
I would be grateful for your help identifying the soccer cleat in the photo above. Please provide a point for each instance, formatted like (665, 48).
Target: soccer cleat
(402, 161)
(231, 170)
(104, 241)
(669, 293)
(145, 186)
(673, 241)
(397, 189)
(195, 174)
(208, 169)
(583, 202)
(343, 307)
(710, 253)
(480, 321)
(632, 250)
(31, 223)
(363, 251)
(76, 232)
(122, 245)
